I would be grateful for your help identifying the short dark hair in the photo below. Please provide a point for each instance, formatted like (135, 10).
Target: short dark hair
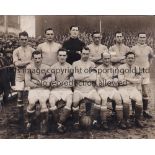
(74, 26)
(128, 53)
(95, 32)
(85, 48)
(36, 52)
(48, 29)
(141, 33)
(61, 49)
(24, 33)
(118, 32)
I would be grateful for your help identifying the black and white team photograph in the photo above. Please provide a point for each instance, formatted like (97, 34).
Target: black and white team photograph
(77, 77)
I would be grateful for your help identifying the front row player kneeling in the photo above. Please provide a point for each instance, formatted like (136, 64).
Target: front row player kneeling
(61, 90)
(38, 79)
(129, 77)
(107, 84)
(85, 78)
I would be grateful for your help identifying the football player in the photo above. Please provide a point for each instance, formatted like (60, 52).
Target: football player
(118, 50)
(38, 78)
(21, 58)
(144, 55)
(129, 79)
(85, 78)
(96, 48)
(49, 48)
(73, 45)
(61, 89)
(107, 82)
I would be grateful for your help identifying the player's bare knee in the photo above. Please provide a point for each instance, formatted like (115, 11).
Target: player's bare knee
(52, 100)
(43, 107)
(30, 108)
(97, 100)
(139, 102)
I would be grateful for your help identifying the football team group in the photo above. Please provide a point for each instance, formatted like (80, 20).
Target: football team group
(87, 82)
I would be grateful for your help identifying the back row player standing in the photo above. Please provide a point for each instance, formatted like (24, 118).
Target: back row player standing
(144, 55)
(74, 45)
(49, 48)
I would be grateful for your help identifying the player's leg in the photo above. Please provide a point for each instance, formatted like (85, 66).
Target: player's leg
(145, 88)
(137, 97)
(32, 99)
(122, 123)
(103, 113)
(77, 97)
(53, 99)
(65, 113)
(96, 100)
(43, 97)
(20, 89)
(20, 104)
(126, 105)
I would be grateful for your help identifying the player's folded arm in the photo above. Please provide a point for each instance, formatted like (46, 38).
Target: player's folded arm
(134, 80)
(80, 76)
(46, 82)
(20, 63)
(122, 80)
(117, 58)
(32, 83)
(95, 59)
(91, 77)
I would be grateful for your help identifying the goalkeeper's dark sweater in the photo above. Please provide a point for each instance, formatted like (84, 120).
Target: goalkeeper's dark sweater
(72, 45)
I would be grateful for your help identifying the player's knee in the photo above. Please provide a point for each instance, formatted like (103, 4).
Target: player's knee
(139, 101)
(104, 98)
(119, 107)
(44, 107)
(51, 98)
(30, 108)
(76, 101)
(118, 100)
(43, 100)
(97, 106)
(68, 104)
(126, 100)
(75, 104)
(97, 100)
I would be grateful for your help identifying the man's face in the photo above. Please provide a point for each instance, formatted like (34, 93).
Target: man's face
(142, 39)
(106, 59)
(130, 59)
(85, 55)
(119, 38)
(49, 35)
(62, 56)
(74, 32)
(97, 38)
(23, 40)
(37, 59)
